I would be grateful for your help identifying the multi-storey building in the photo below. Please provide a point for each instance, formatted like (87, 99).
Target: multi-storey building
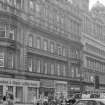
(93, 39)
(40, 48)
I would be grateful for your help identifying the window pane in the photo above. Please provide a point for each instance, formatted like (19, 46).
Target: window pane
(64, 70)
(1, 59)
(45, 68)
(64, 52)
(52, 47)
(30, 40)
(1, 93)
(10, 89)
(19, 94)
(2, 33)
(11, 33)
(30, 64)
(52, 69)
(38, 43)
(18, 4)
(31, 4)
(38, 66)
(58, 69)
(45, 45)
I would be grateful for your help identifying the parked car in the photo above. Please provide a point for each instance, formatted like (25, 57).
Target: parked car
(90, 102)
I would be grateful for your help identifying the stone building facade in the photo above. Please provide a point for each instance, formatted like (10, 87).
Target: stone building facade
(93, 39)
(40, 49)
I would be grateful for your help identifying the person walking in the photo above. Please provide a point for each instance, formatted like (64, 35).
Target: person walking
(5, 101)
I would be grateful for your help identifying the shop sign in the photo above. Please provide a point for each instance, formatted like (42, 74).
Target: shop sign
(76, 88)
(61, 82)
(19, 82)
(47, 83)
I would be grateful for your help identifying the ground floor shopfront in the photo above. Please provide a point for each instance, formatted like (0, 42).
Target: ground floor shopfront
(25, 91)
(53, 88)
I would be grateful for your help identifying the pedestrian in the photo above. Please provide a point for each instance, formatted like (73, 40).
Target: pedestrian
(35, 100)
(5, 101)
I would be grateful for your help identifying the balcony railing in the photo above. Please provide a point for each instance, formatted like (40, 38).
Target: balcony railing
(46, 53)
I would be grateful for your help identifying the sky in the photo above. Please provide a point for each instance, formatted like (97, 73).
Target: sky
(92, 2)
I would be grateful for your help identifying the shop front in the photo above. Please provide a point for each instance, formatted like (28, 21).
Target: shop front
(46, 88)
(61, 89)
(74, 89)
(23, 91)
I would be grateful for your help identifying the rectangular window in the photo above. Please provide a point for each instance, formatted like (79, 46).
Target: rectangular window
(45, 45)
(52, 69)
(77, 72)
(45, 67)
(10, 2)
(1, 93)
(30, 40)
(11, 33)
(64, 70)
(31, 4)
(59, 50)
(37, 8)
(52, 47)
(10, 60)
(19, 94)
(1, 59)
(64, 52)
(72, 71)
(38, 66)
(32, 92)
(2, 30)
(10, 89)
(38, 43)
(18, 4)
(30, 64)
(58, 69)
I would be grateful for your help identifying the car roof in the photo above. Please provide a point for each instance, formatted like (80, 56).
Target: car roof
(95, 99)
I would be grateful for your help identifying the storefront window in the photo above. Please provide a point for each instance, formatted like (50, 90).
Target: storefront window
(19, 94)
(32, 92)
